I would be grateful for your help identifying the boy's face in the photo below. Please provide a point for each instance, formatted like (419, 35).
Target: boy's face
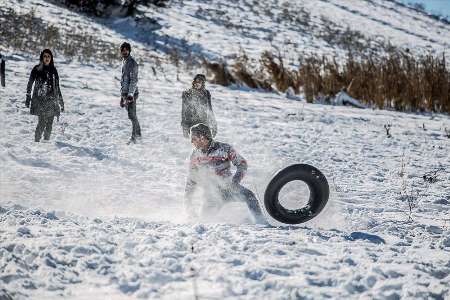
(199, 142)
(124, 52)
(46, 59)
(197, 84)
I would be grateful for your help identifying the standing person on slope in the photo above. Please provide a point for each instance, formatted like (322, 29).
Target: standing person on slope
(46, 101)
(210, 170)
(129, 90)
(196, 107)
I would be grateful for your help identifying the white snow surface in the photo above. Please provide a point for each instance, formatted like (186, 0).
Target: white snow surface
(88, 217)
(222, 29)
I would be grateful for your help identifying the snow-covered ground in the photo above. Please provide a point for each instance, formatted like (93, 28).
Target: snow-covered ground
(88, 217)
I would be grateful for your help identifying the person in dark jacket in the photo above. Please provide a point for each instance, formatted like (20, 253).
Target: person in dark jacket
(129, 91)
(2, 71)
(196, 107)
(210, 169)
(46, 102)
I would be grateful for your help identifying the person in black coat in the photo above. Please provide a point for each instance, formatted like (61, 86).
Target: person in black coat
(46, 102)
(196, 107)
(2, 71)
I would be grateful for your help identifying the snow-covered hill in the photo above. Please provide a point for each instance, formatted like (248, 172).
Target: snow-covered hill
(222, 29)
(88, 217)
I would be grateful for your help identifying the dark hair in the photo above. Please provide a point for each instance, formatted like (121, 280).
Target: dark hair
(125, 45)
(41, 57)
(200, 77)
(201, 130)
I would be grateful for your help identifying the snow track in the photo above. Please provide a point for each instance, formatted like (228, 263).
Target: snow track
(48, 254)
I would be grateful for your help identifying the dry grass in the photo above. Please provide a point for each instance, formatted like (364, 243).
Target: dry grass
(27, 33)
(255, 80)
(221, 73)
(398, 80)
(282, 77)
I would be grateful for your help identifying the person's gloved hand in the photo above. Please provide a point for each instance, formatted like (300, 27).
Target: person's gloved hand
(122, 102)
(62, 108)
(130, 99)
(28, 101)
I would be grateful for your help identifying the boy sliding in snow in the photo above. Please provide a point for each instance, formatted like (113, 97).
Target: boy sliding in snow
(210, 165)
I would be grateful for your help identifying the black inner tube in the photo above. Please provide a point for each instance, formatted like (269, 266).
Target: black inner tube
(319, 192)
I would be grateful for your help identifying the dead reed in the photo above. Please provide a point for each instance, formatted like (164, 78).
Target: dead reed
(26, 32)
(398, 80)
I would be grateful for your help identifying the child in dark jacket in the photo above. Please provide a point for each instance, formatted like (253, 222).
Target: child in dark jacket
(196, 107)
(46, 102)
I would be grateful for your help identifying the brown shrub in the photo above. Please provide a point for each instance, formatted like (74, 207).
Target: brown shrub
(282, 77)
(398, 80)
(27, 33)
(220, 72)
(255, 80)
